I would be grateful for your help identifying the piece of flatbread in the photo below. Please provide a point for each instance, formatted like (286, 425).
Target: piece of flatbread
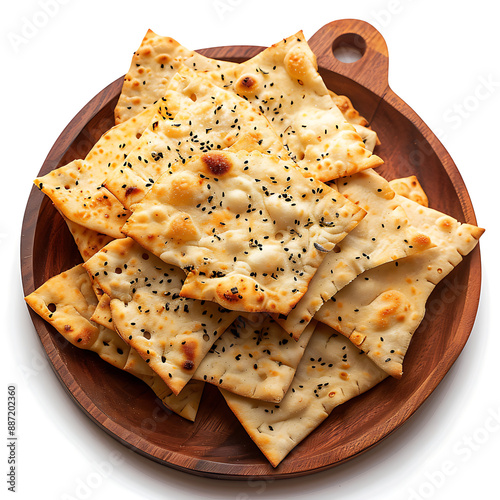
(360, 123)
(154, 63)
(350, 113)
(194, 117)
(158, 59)
(409, 187)
(384, 235)
(284, 84)
(76, 188)
(87, 240)
(381, 309)
(171, 333)
(254, 358)
(250, 228)
(67, 302)
(331, 372)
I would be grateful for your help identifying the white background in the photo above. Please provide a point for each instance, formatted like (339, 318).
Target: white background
(441, 55)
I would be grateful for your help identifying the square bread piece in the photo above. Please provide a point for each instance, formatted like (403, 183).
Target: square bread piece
(249, 228)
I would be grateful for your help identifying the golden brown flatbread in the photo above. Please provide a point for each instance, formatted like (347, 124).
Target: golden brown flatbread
(171, 333)
(195, 118)
(67, 302)
(381, 309)
(331, 372)
(384, 235)
(249, 228)
(254, 358)
(76, 188)
(154, 63)
(283, 83)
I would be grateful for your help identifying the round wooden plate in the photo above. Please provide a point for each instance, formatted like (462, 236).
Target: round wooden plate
(216, 444)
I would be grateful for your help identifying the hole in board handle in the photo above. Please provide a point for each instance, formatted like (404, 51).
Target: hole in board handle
(349, 47)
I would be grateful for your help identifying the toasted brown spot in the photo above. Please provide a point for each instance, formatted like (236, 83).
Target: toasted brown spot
(421, 240)
(217, 163)
(67, 328)
(189, 349)
(392, 304)
(230, 297)
(131, 190)
(248, 82)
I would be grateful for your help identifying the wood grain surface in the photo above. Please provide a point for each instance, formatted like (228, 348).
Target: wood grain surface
(216, 444)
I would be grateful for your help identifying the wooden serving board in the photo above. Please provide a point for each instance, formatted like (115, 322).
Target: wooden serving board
(216, 444)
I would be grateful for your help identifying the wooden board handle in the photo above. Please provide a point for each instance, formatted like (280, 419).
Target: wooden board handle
(371, 70)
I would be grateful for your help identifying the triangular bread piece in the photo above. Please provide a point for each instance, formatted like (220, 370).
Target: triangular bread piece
(171, 333)
(250, 228)
(381, 309)
(331, 372)
(384, 235)
(76, 188)
(67, 302)
(254, 358)
(194, 118)
(283, 83)
(154, 63)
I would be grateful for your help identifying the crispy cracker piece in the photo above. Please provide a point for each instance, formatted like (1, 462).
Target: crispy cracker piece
(381, 309)
(331, 372)
(351, 114)
(67, 302)
(87, 240)
(171, 333)
(76, 188)
(360, 123)
(154, 63)
(284, 84)
(250, 228)
(193, 117)
(409, 187)
(254, 358)
(384, 235)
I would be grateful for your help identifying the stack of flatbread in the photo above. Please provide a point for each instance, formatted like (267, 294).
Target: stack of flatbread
(234, 232)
